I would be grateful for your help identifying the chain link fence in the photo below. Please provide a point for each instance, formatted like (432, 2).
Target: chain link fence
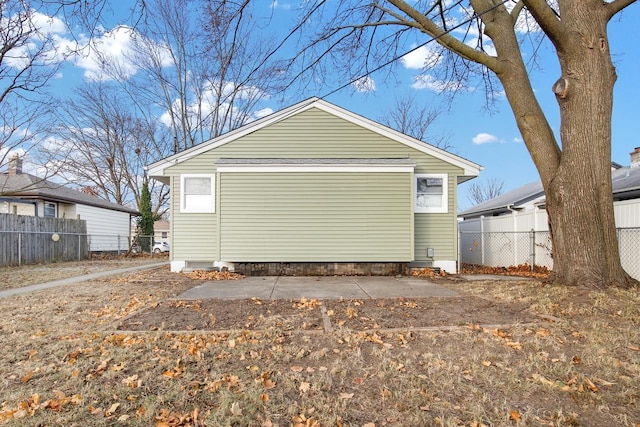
(32, 247)
(629, 244)
(513, 248)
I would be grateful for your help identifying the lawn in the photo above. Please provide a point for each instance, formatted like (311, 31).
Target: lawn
(125, 352)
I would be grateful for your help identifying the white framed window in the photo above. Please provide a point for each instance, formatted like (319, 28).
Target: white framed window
(431, 193)
(50, 210)
(197, 193)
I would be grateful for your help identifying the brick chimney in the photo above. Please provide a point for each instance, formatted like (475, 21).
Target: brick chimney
(635, 158)
(15, 165)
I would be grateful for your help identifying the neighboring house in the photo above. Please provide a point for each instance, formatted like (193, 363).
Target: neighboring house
(161, 231)
(108, 224)
(530, 198)
(313, 185)
(498, 232)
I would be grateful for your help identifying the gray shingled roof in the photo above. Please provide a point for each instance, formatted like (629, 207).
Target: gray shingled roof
(513, 198)
(626, 185)
(27, 186)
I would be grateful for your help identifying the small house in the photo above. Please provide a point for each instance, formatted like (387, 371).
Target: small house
(108, 223)
(314, 189)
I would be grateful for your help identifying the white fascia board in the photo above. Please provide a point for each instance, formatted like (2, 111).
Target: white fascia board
(315, 168)
(469, 168)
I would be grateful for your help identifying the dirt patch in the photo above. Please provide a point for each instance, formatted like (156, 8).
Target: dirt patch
(354, 314)
(252, 314)
(424, 312)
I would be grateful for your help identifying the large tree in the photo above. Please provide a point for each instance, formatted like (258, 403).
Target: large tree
(485, 38)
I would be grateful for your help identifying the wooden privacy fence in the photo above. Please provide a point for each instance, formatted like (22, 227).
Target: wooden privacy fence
(31, 240)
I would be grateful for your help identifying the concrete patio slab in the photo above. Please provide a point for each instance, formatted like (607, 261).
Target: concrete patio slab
(394, 287)
(317, 287)
(249, 287)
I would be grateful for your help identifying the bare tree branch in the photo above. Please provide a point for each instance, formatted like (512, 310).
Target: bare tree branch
(481, 192)
(617, 6)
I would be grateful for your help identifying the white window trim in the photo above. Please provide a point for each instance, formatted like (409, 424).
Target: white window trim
(183, 207)
(445, 193)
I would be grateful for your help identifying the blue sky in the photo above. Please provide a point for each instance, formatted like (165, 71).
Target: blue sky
(490, 139)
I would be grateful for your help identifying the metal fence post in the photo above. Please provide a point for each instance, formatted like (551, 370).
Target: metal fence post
(118, 245)
(459, 252)
(19, 248)
(532, 236)
(482, 240)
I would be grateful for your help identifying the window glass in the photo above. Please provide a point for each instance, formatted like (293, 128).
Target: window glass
(197, 186)
(431, 193)
(50, 210)
(198, 193)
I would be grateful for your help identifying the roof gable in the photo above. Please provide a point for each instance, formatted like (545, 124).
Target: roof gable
(469, 168)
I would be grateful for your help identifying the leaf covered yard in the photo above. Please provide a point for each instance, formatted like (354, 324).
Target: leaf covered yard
(99, 353)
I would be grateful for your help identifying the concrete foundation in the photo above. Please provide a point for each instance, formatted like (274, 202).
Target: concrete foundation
(322, 268)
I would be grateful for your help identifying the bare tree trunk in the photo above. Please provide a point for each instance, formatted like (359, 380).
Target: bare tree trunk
(579, 195)
(577, 178)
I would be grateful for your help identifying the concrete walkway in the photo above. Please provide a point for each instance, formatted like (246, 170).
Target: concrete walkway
(77, 279)
(317, 287)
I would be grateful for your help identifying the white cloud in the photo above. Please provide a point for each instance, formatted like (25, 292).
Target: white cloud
(484, 138)
(422, 57)
(364, 84)
(429, 82)
(262, 113)
(517, 139)
(46, 42)
(275, 4)
(111, 49)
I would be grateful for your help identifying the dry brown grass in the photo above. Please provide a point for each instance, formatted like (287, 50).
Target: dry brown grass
(19, 276)
(66, 363)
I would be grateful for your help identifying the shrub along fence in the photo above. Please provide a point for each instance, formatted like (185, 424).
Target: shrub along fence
(31, 240)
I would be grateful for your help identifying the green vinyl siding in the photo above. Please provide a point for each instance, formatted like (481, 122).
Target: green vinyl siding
(194, 236)
(438, 231)
(311, 134)
(316, 216)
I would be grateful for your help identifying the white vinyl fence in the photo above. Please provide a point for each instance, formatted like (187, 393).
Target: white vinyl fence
(523, 238)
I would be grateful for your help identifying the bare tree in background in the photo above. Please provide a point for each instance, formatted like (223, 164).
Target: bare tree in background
(485, 41)
(29, 58)
(406, 116)
(200, 66)
(482, 191)
(105, 145)
(193, 73)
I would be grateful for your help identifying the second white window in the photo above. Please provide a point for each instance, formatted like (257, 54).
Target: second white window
(431, 193)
